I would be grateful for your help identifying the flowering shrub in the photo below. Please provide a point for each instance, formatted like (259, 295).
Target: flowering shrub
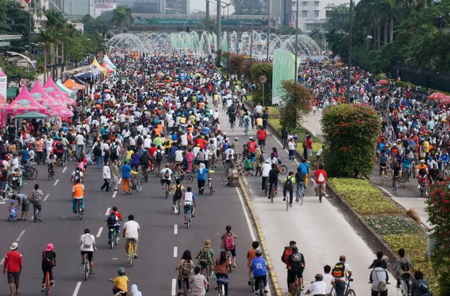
(350, 133)
(391, 224)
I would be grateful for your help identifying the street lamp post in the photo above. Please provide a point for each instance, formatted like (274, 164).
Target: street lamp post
(296, 43)
(251, 38)
(349, 52)
(268, 30)
(219, 32)
(207, 16)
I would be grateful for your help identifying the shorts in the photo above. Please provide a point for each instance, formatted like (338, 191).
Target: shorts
(292, 274)
(129, 239)
(25, 207)
(59, 155)
(187, 208)
(165, 181)
(262, 142)
(309, 152)
(13, 277)
(323, 186)
(90, 255)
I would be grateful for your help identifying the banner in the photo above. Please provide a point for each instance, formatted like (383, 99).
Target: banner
(283, 69)
(3, 88)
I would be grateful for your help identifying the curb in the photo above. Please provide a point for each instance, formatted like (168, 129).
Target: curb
(262, 240)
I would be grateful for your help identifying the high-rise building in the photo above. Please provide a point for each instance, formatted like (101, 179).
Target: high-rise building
(312, 13)
(76, 9)
(177, 6)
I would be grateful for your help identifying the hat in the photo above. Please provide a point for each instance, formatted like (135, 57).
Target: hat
(126, 161)
(49, 247)
(14, 246)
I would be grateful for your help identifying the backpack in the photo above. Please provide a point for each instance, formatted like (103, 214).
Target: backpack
(97, 150)
(423, 287)
(114, 151)
(261, 158)
(338, 270)
(87, 241)
(186, 269)
(159, 156)
(321, 178)
(178, 192)
(166, 174)
(297, 262)
(405, 267)
(285, 257)
(111, 220)
(205, 257)
(288, 183)
(139, 141)
(77, 175)
(229, 243)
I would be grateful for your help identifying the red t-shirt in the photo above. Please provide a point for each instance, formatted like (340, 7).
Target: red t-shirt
(317, 174)
(251, 146)
(152, 151)
(13, 261)
(309, 144)
(262, 134)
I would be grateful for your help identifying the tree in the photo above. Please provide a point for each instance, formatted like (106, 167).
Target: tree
(247, 7)
(15, 21)
(317, 35)
(97, 26)
(122, 17)
(350, 133)
(295, 104)
(256, 71)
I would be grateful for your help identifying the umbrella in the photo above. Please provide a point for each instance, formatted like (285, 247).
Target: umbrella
(437, 96)
(383, 82)
(445, 100)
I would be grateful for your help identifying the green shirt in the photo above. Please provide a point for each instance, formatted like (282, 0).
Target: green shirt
(248, 163)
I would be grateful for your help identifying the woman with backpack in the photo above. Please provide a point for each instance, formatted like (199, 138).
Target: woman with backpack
(228, 243)
(221, 269)
(185, 267)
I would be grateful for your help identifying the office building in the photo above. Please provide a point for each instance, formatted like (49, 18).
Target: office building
(312, 13)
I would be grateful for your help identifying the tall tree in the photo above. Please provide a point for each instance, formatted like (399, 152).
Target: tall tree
(247, 7)
(122, 17)
(15, 21)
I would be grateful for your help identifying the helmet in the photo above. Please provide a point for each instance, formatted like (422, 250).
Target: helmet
(251, 138)
(422, 161)
(318, 277)
(258, 252)
(121, 271)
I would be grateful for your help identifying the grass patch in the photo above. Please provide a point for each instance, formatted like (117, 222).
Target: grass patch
(387, 224)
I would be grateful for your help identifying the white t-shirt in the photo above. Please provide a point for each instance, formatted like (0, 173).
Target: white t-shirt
(328, 279)
(83, 247)
(132, 229)
(179, 156)
(188, 198)
(318, 288)
(291, 145)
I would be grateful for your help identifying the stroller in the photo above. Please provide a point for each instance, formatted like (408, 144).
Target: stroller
(12, 217)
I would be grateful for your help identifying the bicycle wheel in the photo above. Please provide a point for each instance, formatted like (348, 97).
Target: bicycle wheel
(130, 254)
(350, 293)
(48, 285)
(224, 177)
(287, 203)
(86, 268)
(211, 189)
(112, 238)
(189, 217)
(80, 210)
(284, 169)
(206, 275)
(189, 178)
(32, 173)
(138, 185)
(50, 176)
(178, 205)
(266, 188)
(405, 176)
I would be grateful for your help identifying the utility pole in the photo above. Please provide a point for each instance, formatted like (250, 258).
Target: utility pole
(349, 53)
(219, 33)
(207, 16)
(238, 27)
(268, 29)
(296, 43)
(251, 37)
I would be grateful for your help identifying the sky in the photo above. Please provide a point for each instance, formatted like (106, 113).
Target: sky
(201, 5)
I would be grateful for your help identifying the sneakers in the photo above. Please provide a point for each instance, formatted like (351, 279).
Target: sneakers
(135, 256)
(52, 283)
(284, 198)
(43, 289)
(266, 290)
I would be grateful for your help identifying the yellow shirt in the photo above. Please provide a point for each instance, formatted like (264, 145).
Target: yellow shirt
(168, 143)
(426, 146)
(121, 283)
(182, 120)
(259, 121)
(129, 153)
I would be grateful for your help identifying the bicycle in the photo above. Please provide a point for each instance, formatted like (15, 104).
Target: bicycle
(131, 253)
(184, 289)
(383, 175)
(51, 173)
(260, 287)
(113, 237)
(189, 216)
(348, 290)
(297, 287)
(206, 272)
(272, 192)
(166, 190)
(64, 159)
(80, 209)
(86, 267)
(29, 172)
(210, 184)
(135, 184)
(189, 178)
(404, 286)
(221, 281)
(47, 284)
(395, 184)
(405, 176)
(177, 207)
(229, 257)
(282, 169)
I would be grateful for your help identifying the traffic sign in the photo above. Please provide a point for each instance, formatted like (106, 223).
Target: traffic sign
(263, 79)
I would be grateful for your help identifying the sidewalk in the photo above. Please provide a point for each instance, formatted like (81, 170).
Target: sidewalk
(320, 230)
(407, 198)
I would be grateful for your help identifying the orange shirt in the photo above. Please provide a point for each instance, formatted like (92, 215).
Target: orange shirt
(250, 255)
(78, 190)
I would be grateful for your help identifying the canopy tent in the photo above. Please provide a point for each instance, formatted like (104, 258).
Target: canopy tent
(50, 85)
(24, 103)
(70, 84)
(62, 112)
(31, 115)
(53, 91)
(96, 64)
(79, 70)
(39, 94)
(61, 97)
(78, 80)
(93, 75)
(64, 89)
(108, 62)
(53, 103)
(104, 66)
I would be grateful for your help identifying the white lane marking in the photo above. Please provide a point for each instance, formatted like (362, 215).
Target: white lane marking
(175, 252)
(120, 180)
(245, 180)
(107, 211)
(99, 232)
(247, 217)
(174, 287)
(2, 261)
(56, 182)
(175, 229)
(387, 192)
(64, 170)
(114, 194)
(277, 140)
(20, 235)
(32, 217)
(251, 191)
(46, 197)
(77, 288)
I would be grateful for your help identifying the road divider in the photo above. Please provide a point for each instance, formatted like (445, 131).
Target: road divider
(46, 197)
(114, 194)
(99, 232)
(262, 240)
(64, 170)
(174, 287)
(20, 235)
(175, 229)
(77, 289)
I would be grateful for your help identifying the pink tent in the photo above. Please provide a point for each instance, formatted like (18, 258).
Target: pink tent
(63, 112)
(51, 89)
(24, 103)
(52, 103)
(38, 93)
(59, 96)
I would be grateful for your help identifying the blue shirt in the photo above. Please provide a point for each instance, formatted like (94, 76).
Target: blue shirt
(259, 266)
(126, 169)
(25, 155)
(202, 176)
(304, 168)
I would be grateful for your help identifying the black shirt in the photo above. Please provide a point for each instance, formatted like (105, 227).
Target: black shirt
(273, 175)
(47, 258)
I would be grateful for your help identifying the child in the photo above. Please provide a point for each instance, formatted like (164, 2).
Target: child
(190, 159)
(248, 166)
(121, 282)
(198, 282)
(250, 255)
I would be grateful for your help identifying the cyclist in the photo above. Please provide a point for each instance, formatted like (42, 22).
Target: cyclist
(318, 287)
(261, 135)
(126, 176)
(201, 177)
(178, 190)
(51, 161)
(378, 278)
(185, 267)
(198, 282)
(383, 160)
(422, 169)
(341, 272)
(250, 255)
(304, 167)
(296, 266)
(131, 234)
(113, 221)
(320, 180)
(87, 247)
(299, 181)
(77, 195)
(406, 166)
(396, 173)
(145, 162)
(420, 286)
(206, 257)
(121, 283)
(221, 269)
(228, 243)
(288, 186)
(77, 174)
(259, 269)
(48, 262)
(273, 179)
(189, 203)
(166, 176)
(403, 267)
(435, 174)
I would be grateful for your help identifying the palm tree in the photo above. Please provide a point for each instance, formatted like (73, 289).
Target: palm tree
(122, 17)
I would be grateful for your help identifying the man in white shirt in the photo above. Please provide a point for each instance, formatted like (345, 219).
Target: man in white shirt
(147, 142)
(328, 279)
(131, 234)
(317, 288)
(265, 169)
(87, 247)
(79, 141)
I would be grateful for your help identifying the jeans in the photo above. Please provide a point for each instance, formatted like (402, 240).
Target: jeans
(223, 275)
(105, 185)
(74, 204)
(99, 160)
(299, 189)
(40, 157)
(263, 184)
(201, 186)
(339, 287)
(258, 279)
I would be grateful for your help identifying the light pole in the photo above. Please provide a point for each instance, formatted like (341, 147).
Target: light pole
(268, 29)
(219, 33)
(349, 52)
(251, 37)
(296, 43)
(207, 16)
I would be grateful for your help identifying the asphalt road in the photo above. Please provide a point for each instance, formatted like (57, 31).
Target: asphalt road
(163, 236)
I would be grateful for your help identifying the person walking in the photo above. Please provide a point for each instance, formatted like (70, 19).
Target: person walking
(36, 199)
(201, 177)
(48, 262)
(114, 169)
(13, 266)
(106, 176)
